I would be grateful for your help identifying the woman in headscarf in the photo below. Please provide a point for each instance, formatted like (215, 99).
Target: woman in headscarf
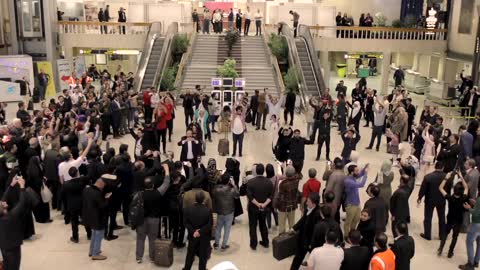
(384, 180)
(35, 178)
(232, 167)
(355, 116)
(213, 174)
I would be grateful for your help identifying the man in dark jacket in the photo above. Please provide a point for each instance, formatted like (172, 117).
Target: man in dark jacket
(350, 139)
(191, 149)
(378, 209)
(101, 18)
(122, 17)
(433, 200)
(324, 125)
(94, 214)
(355, 257)
(72, 191)
(198, 221)
(326, 224)
(449, 154)
(403, 247)
(305, 227)
(223, 197)
(259, 194)
(399, 207)
(11, 236)
(188, 102)
(51, 161)
(297, 150)
(254, 107)
(289, 107)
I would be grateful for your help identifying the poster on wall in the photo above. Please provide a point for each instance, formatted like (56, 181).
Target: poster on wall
(64, 70)
(46, 67)
(465, 21)
(79, 65)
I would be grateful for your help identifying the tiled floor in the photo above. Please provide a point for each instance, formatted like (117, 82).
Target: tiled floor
(51, 249)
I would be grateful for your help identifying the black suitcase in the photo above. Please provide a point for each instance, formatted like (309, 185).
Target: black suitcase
(284, 245)
(163, 249)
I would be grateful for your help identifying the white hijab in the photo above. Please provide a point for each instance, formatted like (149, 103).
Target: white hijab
(356, 109)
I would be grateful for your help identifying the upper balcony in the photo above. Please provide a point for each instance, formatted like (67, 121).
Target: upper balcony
(379, 39)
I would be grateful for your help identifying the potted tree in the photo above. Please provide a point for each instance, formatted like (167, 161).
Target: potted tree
(180, 45)
(279, 47)
(227, 70)
(231, 38)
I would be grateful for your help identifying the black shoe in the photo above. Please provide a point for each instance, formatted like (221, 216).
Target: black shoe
(223, 248)
(89, 237)
(377, 149)
(214, 131)
(180, 245)
(439, 252)
(475, 265)
(118, 227)
(425, 237)
(466, 266)
(368, 148)
(450, 255)
(253, 247)
(111, 237)
(365, 126)
(240, 155)
(317, 159)
(264, 244)
(215, 246)
(264, 129)
(257, 128)
(74, 240)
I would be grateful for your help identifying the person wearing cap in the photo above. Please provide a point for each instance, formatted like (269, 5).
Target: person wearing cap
(11, 227)
(94, 214)
(122, 18)
(286, 202)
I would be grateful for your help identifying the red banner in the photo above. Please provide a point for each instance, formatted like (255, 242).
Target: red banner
(226, 6)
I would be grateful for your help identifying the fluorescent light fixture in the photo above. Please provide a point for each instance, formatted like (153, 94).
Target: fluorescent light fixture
(127, 52)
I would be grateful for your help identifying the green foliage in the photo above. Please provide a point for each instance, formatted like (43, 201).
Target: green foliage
(410, 21)
(279, 47)
(227, 70)
(397, 23)
(180, 44)
(290, 79)
(231, 38)
(168, 78)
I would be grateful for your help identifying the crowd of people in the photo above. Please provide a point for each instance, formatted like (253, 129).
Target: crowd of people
(59, 158)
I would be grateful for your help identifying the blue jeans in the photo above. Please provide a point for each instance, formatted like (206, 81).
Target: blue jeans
(96, 242)
(472, 236)
(223, 221)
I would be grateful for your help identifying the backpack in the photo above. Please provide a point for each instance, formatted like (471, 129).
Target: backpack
(136, 212)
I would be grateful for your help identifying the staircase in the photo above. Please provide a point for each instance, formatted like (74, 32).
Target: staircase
(306, 67)
(203, 65)
(250, 54)
(152, 64)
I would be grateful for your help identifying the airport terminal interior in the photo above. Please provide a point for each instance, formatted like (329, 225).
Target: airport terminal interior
(298, 53)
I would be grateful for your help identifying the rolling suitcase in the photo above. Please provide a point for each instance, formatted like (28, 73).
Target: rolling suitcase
(284, 245)
(163, 250)
(214, 224)
(223, 147)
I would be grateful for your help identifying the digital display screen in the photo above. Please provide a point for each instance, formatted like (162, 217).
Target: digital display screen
(227, 82)
(216, 95)
(240, 82)
(239, 96)
(227, 96)
(216, 82)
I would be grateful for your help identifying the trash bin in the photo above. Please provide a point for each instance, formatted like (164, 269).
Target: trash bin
(363, 72)
(341, 70)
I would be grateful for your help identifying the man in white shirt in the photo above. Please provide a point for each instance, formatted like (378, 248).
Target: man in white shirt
(69, 162)
(258, 22)
(238, 129)
(326, 257)
(248, 18)
(217, 18)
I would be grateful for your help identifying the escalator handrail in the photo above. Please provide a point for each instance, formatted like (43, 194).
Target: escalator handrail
(153, 33)
(166, 55)
(317, 86)
(304, 32)
(294, 58)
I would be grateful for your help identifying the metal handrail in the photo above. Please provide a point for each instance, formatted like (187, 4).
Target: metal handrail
(304, 32)
(317, 86)
(273, 61)
(153, 34)
(294, 59)
(165, 55)
(186, 58)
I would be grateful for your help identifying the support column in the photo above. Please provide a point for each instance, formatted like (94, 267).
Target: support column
(51, 34)
(387, 58)
(325, 64)
(13, 29)
(416, 58)
(476, 56)
(441, 68)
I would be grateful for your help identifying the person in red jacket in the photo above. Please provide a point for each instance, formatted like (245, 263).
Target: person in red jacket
(170, 111)
(161, 126)
(147, 105)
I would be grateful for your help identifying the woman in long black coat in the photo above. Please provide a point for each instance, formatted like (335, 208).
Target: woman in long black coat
(34, 180)
(283, 144)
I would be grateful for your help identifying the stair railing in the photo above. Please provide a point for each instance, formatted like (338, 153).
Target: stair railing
(273, 61)
(186, 58)
(166, 55)
(153, 33)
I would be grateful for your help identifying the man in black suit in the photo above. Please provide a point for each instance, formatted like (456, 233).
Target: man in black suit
(399, 207)
(403, 247)
(116, 109)
(254, 107)
(122, 18)
(11, 226)
(289, 107)
(259, 194)
(355, 257)
(305, 227)
(72, 191)
(51, 161)
(433, 200)
(191, 149)
(101, 18)
(198, 221)
(449, 154)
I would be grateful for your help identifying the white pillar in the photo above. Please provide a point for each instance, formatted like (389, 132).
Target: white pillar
(51, 33)
(441, 68)
(387, 58)
(416, 58)
(325, 64)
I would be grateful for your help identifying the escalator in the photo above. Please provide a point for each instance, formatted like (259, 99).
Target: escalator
(155, 56)
(303, 57)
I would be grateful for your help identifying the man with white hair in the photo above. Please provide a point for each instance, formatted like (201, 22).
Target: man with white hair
(70, 162)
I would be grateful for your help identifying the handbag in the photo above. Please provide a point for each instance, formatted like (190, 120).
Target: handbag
(249, 117)
(46, 193)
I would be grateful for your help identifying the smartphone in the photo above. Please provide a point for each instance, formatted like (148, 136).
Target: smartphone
(329, 163)
(289, 162)
(185, 163)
